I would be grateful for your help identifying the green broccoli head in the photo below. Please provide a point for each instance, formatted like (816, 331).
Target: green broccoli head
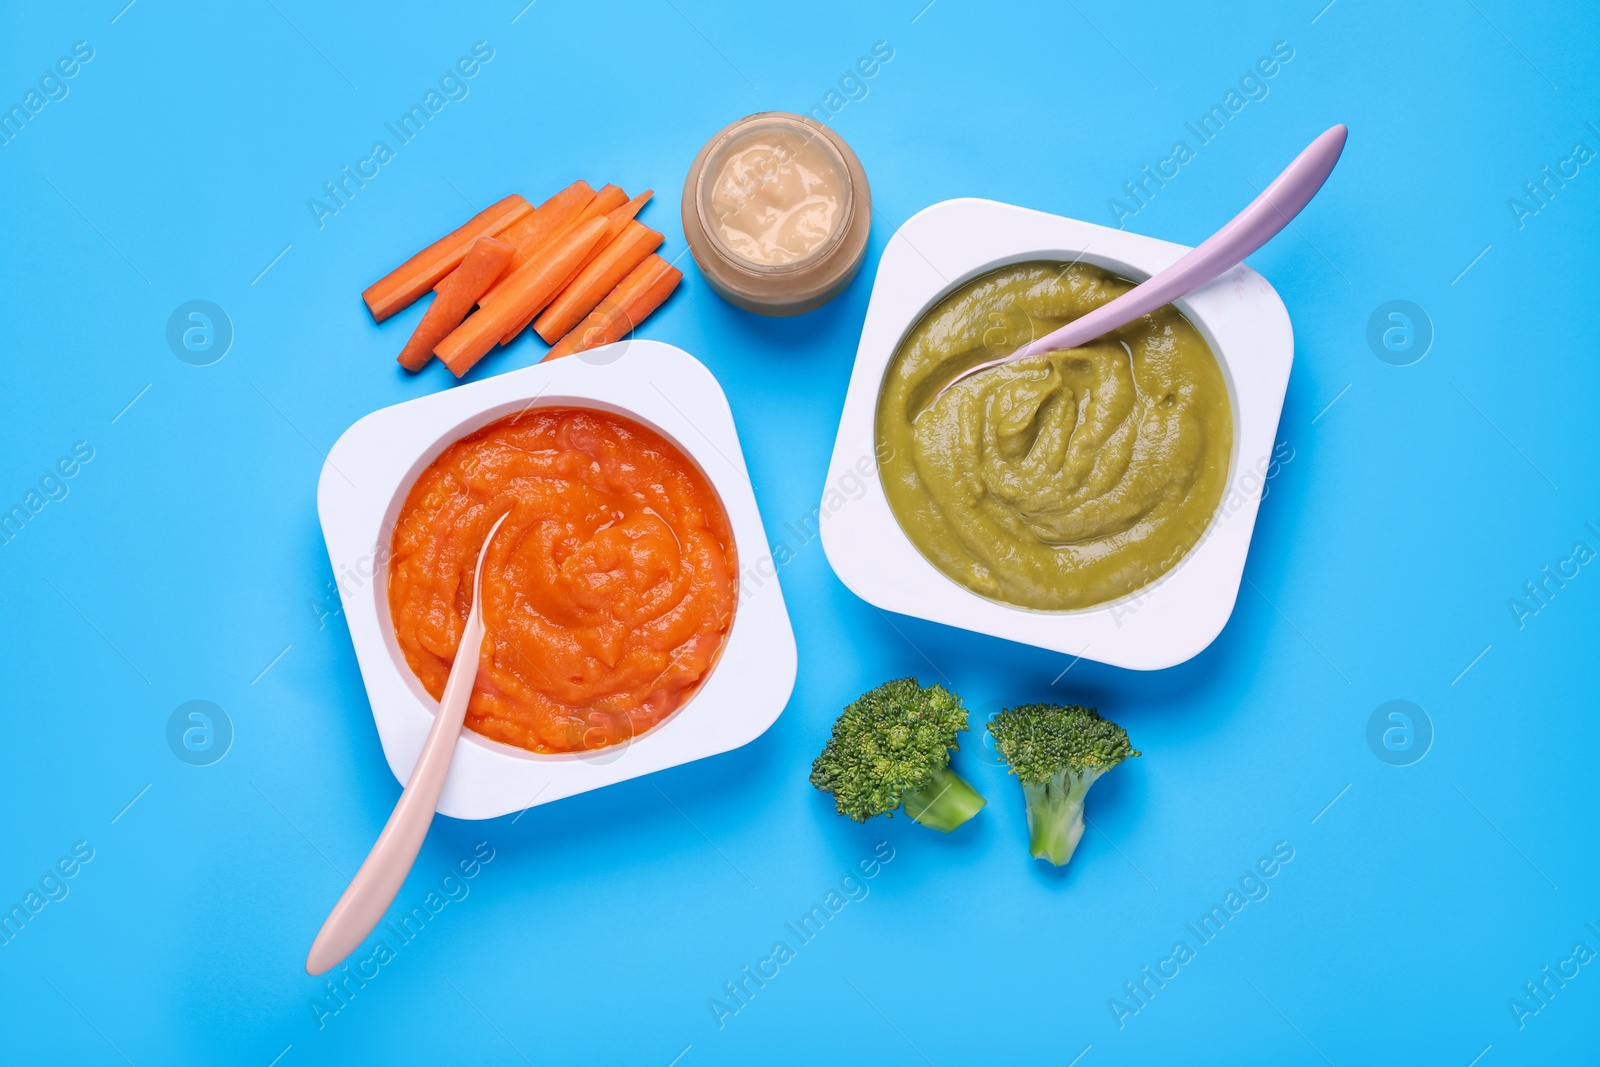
(1040, 741)
(891, 748)
(1057, 752)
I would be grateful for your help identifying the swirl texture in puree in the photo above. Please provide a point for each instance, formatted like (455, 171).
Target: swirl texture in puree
(1063, 480)
(607, 593)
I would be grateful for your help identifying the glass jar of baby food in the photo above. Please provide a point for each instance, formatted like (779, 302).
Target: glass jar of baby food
(776, 211)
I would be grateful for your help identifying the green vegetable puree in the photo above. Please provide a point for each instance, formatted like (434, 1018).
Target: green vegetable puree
(1063, 480)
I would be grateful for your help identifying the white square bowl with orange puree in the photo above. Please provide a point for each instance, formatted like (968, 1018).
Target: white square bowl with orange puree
(364, 483)
(1158, 625)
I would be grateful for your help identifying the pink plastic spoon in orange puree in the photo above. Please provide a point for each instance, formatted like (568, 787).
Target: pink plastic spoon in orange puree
(384, 871)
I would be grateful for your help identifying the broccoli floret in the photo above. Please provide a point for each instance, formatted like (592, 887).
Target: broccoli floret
(891, 748)
(1057, 751)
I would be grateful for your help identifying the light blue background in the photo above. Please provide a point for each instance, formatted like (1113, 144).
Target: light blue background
(187, 555)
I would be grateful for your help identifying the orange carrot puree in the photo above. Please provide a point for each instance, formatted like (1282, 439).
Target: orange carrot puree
(607, 593)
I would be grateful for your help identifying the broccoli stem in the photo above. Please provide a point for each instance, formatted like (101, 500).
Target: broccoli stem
(1055, 815)
(945, 802)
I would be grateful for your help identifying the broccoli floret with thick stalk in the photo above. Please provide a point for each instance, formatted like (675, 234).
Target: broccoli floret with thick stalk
(1058, 752)
(891, 748)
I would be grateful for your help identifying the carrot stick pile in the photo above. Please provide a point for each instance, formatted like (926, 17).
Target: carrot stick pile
(579, 268)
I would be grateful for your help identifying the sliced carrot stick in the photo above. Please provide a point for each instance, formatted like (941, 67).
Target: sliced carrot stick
(404, 284)
(552, 215)
(528, 289)
(629, 304)
(550, 219)
(570, 200)
(485, 261)
(516, 234)
(608, 199)
(596, 280)
(618, 216)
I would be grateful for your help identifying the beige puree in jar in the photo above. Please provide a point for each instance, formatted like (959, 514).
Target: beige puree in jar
(776, 197)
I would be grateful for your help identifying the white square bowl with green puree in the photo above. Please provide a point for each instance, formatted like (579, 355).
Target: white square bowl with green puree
(1160, 624)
